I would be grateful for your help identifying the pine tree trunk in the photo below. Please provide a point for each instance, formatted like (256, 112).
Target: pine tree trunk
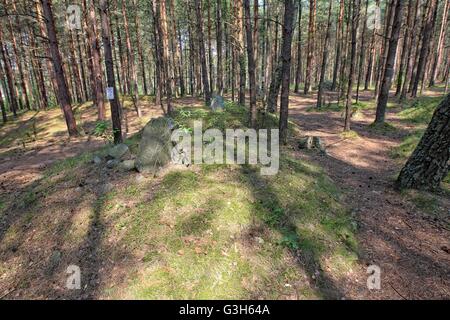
(409, 63)
(97, 74)
(355, 23)
(2, 102)
(311, 40)
(428, 165)
(63, 91)
(362, 51)
(286, 56)
(132, 73)
(201, 44)
(440, 48)
(388, 73)
(114, 103)
(424, 51)
(251, 63)
(339, 37)
(219, 47)
(9, 76)
(324, 58)
(298, 73)
(406, 38)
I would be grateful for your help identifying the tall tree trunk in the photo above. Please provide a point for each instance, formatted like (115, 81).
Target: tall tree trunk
(324, 57)
(441, 44)
(339, 37)
(311, 40)
(409, 64)
(114, 103)
(63, 91)
(17, 58)
(39, 73)
(406, 39)
(298, 73)
(210, 56)
(219, 47)
(424, 51)
(251, 63)
(362, 51)
(355, 23)
(201, 44)
(97, 73)
(428, 165)
(137, 23)
(9, 76)
(2, 103)
(132, 73)
(286, 56)
(390, 62)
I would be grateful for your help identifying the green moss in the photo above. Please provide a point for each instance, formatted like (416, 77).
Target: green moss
(382, 128)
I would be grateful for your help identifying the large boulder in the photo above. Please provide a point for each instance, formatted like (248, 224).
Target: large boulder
(155, 146)
(217, 103)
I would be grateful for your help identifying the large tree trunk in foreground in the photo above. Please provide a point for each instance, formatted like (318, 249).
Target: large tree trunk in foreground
(63, 91)
(428, 165)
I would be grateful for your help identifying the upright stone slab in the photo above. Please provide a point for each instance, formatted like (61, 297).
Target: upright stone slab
(155, 146)
(218, 103)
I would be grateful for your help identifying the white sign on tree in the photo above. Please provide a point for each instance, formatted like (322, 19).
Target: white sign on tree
(110, 93)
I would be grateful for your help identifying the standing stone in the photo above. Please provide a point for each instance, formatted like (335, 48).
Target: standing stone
(155, 146)
(218, 103)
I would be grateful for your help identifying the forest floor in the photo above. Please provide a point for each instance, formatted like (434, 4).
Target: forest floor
(406, 234)
(218, 231)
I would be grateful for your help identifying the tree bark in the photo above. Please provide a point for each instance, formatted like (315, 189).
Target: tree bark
(424, 51)
(63, 91)
(132, 74)
(428, 165)
(339, 37)
(9, 76)
(97, 73)
(311, 39)
(201, 44)
(251, 63)
(298, 73)
(324, 57)
(388, 73)
(114, 103)
(286, 56)
(355, 23)
(440, 48)
(219, 47)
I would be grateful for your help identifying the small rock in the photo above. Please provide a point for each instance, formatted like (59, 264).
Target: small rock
(112, 163)
(119, 151)
(260, 240)
(107, 187)
(306, 143)
(140, 178)
(127, 165)
(97, 160)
